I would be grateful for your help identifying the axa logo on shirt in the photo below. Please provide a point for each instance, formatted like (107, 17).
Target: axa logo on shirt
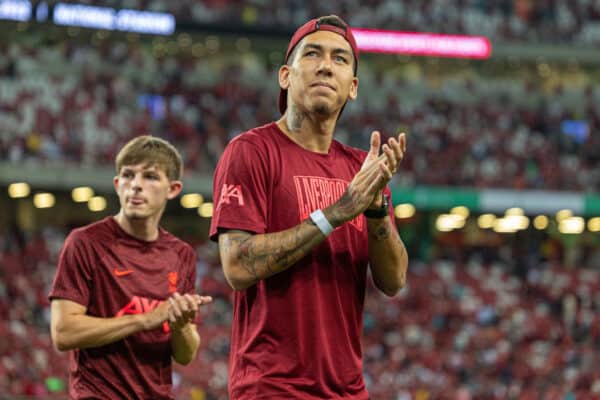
(315, 192)
(230, 193)
(141, 305)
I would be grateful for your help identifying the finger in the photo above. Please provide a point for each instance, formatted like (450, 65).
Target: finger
(172, 319)
(387, 174)
(366, 171)
(402, 140)
(398, 152)
(392, 161)
(375, 144)
(191, 302)
(365, 176)
(174, 307)
(375, 180)
(383, 176)
(204, 299)
(187, 309)
(192, 307)
(183, 304)
(175, 322)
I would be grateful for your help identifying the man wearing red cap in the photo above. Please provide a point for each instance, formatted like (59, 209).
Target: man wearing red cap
(299, 217)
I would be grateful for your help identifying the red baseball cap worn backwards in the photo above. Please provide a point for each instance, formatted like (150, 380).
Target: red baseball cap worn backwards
(310, 27)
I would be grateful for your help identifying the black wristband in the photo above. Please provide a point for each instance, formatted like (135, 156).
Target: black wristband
(380, 212)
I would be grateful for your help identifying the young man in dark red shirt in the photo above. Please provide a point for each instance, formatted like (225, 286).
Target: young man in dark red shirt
(123, 297)
(299, 217)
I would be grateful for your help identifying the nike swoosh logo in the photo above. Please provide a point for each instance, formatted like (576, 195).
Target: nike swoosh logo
(122, 272)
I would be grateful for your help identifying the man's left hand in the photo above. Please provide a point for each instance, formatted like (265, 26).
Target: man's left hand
(393, 153)
(183, 309)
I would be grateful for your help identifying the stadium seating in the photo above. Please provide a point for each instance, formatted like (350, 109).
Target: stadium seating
(484, 315)
(546, 21)
(493, 132)
(473, 327)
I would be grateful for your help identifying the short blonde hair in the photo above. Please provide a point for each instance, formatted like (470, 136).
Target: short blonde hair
(151, 150)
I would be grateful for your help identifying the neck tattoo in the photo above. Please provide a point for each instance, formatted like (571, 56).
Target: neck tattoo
(295, 119)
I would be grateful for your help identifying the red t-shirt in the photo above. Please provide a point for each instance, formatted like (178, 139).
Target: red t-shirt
(296, 334)
(113, 274)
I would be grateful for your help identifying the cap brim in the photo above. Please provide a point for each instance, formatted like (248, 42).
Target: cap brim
(282, 101)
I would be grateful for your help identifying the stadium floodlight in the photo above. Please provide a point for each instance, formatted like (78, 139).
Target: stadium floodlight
(97, 203)
(422, 44)
(504, 225)
(540, 222)
(405, 210)
(18, 190)
(206, 210)
(514, 211)
(486, 221)
(461, 211)
(44, 200)
(191, 200)
(449, 222)
(571, 225)
(517, 222)
(15, 10)
(82, 194)
(563, 214)
(594, 224)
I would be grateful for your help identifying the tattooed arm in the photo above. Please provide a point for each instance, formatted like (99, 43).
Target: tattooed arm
(248, 258)
(387, 256)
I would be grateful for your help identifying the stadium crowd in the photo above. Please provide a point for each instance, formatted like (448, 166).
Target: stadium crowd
(75, 103)
(548, 21)
(482, 321)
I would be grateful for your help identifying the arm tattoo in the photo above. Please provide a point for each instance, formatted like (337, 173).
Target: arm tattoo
(381, 232)
(246, 254)
(344, 209)
(381, 229)
(387, 254)
(262, 256)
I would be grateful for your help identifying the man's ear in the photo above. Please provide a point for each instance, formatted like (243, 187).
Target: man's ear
(175, 188)
(284, 77)
(353, 89)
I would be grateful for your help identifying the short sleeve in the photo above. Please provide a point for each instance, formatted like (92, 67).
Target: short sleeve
(240, 187)
(73, 277)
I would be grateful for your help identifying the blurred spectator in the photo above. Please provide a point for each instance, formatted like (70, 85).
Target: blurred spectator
(550, 21)
(77, 103)
(472, 329)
